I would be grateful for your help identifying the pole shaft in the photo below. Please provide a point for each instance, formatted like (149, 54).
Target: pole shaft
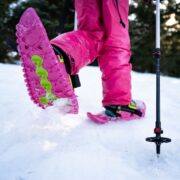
(158, 123)
(75, 21)
(157, 92)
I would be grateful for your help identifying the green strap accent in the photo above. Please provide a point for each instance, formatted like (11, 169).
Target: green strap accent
(60, 58)
(132, 105)
(45, 83)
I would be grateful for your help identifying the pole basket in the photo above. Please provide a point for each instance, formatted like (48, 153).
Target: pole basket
(158, 140)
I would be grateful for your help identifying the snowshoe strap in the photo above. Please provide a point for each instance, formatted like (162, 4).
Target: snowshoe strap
(114, 110)
(133, 111)
(74, 78)
(58, 51)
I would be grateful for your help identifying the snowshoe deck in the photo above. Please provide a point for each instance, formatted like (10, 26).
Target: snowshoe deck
(102, 118)
(44, 72)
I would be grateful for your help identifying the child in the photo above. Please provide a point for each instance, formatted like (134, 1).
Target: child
(103, 34)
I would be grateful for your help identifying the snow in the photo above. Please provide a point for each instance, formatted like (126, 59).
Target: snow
(44, 144)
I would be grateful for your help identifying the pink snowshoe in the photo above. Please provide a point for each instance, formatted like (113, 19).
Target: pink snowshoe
(45, 74)
(135, 110)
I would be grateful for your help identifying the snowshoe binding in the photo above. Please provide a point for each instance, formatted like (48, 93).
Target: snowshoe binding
(135, 110)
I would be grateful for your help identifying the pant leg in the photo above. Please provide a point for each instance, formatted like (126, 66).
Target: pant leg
(115, 55)
(82, 46)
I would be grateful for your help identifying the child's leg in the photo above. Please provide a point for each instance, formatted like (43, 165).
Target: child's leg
(82, 46)
(115, 55)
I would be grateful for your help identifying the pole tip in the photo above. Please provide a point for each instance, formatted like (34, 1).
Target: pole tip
(158, 155)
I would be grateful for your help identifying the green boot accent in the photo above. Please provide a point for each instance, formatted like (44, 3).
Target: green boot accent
(37, 60)
(50, 96)
(46, 84)
(42, 73)
(44, 100)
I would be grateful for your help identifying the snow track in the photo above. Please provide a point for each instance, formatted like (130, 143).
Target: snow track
(44, 144)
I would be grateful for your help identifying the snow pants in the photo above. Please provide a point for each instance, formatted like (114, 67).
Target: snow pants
(102, 34)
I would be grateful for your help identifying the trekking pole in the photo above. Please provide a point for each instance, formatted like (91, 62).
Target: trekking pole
(158, 140)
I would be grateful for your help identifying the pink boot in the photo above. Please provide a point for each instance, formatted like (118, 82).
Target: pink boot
(45, 73)
(135, 110)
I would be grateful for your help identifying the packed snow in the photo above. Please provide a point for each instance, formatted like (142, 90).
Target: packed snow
(40, 144)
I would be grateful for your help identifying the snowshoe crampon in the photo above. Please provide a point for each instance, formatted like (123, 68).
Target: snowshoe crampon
(44, 72)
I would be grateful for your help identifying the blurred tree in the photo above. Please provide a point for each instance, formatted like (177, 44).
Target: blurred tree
(171, 39)
(142, 31)
(5, 13)
(57, 17)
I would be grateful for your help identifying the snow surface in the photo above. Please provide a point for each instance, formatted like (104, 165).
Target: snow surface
(40, 144)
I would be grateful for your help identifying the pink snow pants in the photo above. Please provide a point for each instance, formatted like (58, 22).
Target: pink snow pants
(101, 35)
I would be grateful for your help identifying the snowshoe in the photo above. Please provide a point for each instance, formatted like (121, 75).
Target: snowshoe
(135, 110)
(44, 71)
